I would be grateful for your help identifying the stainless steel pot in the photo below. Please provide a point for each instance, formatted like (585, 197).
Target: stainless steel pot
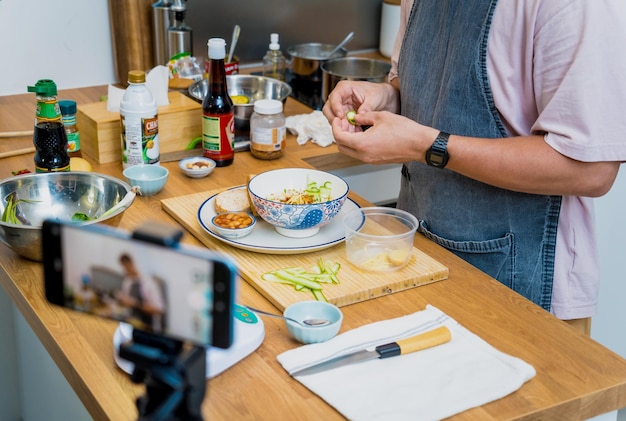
(352, 68)
(306, 59)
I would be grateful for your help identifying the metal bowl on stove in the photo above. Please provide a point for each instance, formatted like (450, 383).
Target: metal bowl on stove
(251, 86)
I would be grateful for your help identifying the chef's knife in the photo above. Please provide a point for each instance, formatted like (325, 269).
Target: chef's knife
(424, 340)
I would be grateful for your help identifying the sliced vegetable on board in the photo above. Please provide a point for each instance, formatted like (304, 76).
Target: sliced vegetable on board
(301, 279)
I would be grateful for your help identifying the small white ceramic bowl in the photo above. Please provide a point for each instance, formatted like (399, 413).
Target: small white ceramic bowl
(312, 309)
(197, 166)
(149, 178)
(233, 232)
(296, 220)
(379, 239)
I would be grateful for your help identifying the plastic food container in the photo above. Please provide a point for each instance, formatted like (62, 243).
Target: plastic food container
(379, 239)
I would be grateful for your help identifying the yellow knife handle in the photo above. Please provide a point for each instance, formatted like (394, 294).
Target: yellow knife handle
(424, 340)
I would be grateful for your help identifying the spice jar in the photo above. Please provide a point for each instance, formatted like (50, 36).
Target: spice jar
(268, 130)
(68, 117)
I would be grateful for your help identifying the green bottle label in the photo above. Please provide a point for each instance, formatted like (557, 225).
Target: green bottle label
(73, 142)
(39, 169)
(48, 110)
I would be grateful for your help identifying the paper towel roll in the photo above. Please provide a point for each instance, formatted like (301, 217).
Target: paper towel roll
(389, 24)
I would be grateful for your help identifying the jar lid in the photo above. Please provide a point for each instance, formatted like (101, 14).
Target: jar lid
(268, 106)
(67, 106)
(217, 48)
(45, 87)
(136, 76)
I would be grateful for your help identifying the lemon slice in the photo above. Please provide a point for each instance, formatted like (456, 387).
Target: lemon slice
(398, 257)
(79, 164)
(240, 99)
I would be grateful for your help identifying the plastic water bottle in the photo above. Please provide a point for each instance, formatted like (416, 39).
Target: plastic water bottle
(139, 123)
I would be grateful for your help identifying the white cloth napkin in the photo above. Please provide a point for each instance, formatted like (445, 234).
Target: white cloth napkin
(426, 385)
(313, 126)
(157, 80)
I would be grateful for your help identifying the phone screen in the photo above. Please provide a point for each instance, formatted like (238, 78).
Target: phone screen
(181, 293)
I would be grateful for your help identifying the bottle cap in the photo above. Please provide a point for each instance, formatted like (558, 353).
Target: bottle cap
(44, 87)
(217, 48)
(136, 76)
(268, 106)
(67, 106)
(274, 45)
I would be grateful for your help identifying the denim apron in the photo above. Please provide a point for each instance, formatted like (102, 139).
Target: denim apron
(444, 84)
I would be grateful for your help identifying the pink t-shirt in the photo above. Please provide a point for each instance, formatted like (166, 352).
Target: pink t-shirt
(559, 67)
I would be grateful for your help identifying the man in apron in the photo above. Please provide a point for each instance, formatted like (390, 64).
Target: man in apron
(508, 119)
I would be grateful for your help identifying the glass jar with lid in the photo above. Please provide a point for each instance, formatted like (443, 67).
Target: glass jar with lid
(268, 130)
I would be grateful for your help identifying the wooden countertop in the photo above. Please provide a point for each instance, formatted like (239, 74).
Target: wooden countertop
(576, 377)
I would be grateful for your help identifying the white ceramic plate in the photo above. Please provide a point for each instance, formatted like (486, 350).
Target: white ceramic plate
(265, 239)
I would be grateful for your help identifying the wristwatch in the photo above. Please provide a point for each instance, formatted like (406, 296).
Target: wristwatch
(437, 156)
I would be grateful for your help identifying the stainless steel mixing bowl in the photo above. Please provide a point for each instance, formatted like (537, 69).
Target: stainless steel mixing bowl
(57, 196)
(251, 86)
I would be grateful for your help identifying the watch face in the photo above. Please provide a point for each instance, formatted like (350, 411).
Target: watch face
(435, 159)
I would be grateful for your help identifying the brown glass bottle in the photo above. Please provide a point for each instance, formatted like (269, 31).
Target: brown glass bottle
(218, 119)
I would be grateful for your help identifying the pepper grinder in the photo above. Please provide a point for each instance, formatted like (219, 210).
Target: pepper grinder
(178, 34)
(161, 21)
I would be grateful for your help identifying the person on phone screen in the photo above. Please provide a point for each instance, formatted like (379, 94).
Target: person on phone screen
(142, 296)
(508, 118)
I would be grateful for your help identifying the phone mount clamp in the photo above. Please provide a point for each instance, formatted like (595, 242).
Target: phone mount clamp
(174, 378)
(173, 373)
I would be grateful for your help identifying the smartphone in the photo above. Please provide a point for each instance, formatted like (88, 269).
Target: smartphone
(185, 293)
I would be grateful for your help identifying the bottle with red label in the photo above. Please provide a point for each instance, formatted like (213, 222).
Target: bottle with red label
(139, 123)
(49, 135)
(218, 119)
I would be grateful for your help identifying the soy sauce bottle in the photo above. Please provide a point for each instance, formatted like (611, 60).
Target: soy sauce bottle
(218, 119)
(49, 135)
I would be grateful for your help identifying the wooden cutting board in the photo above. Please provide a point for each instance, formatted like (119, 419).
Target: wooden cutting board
(355, 285)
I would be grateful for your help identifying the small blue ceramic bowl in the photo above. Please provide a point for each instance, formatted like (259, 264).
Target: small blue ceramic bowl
(149, 178)
(303, 310)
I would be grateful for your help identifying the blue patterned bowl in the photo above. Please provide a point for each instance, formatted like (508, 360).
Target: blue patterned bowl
(297, 220)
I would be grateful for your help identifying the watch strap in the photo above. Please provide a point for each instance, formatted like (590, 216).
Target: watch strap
(437, 156)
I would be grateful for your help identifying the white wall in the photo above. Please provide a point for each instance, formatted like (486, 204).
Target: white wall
(608, 325)
(67, 41)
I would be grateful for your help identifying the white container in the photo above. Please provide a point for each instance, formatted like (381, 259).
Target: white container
(268, 130)
(139, 123)
(389, 25)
